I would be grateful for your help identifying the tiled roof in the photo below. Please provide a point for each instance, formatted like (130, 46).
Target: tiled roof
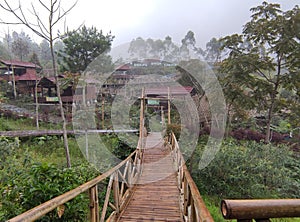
(19, 63)
(30, 75)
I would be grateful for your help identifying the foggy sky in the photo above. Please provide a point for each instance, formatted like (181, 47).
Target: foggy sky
(129, 19)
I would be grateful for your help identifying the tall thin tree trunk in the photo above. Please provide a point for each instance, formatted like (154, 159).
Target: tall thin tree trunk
(62, 113)
(36, 105)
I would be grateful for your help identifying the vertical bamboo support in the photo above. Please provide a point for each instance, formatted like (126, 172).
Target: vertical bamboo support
(94, 204)
(192, 216)
(106, 201)
(102, 109)
(185, 196)
(142, 120)
(86, 145)
(116, 193)
(162, 116)
(169, 107)
(129, 179)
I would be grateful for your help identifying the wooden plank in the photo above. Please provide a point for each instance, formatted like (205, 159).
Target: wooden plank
(156, 197)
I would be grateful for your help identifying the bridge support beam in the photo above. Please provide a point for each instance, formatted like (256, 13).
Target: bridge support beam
(94, 204)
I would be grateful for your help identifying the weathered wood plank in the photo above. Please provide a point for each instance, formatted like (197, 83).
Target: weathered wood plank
(156, 196)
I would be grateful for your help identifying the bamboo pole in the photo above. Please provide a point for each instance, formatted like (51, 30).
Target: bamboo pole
(141, 120)
(106, 201)
(94, 204)
(102, 109)
(169, 107)
(260, 209)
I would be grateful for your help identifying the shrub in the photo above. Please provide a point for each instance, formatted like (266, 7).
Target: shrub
(42, 182)
(250, 170)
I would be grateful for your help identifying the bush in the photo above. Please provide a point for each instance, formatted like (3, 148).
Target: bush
(42, 182)
(175, 128)
(250, 170)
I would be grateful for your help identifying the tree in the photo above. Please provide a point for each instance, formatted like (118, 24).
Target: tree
(43, 27)
(262, 59)
(20, 47)
(213, 51)
(83, 46)
(35, 59)
(188, 48)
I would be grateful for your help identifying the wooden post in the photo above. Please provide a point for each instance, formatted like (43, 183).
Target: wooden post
(262, 209)
(116, 193)
(102, 109)
(142, 120)
(162, 116)
(169, 107)
(106, 201)
(94, 204)
(86, 145)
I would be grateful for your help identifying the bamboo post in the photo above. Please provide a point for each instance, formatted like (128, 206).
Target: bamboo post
(116, 193)
(162, 116)
(94, 205)
(169, 107)
(86, 144)
(106, 201)
(142, 120)
(102, 109)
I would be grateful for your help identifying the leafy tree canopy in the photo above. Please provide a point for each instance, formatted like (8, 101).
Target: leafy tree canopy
(82, 46)
(262, 60)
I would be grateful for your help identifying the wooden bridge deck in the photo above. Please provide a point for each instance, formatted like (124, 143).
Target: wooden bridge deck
(156, 197)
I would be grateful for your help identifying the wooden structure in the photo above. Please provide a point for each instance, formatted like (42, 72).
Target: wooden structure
(22, 74)
(147, 186)
(151, 184)
(48, 94)
(154, 184)
(156, 196)
(260, 210)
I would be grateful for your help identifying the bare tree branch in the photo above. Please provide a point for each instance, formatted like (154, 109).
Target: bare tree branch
(65, 13)
(44, 5)
(40, 23)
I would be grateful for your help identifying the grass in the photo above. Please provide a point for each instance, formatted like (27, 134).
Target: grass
(8, 124)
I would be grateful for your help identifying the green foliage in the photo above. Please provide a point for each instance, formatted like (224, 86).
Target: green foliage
(41, 182)
(261, 61)
(83, 46)
(250, 170)
(175, 128)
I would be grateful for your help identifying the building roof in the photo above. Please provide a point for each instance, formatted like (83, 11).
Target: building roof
(19, 63)
(30, 75)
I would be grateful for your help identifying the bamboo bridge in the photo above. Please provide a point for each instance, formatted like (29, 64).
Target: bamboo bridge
(154, 184)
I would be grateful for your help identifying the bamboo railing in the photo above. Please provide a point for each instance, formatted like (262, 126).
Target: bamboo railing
(192, 205)
(122, 178)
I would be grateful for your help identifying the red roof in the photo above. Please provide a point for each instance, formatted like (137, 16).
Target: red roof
(30, 75)
(19, 63)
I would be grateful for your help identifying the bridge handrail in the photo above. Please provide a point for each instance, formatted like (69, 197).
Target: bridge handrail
(128, 177)
(194, 208)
